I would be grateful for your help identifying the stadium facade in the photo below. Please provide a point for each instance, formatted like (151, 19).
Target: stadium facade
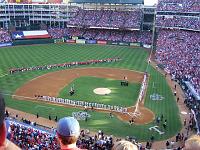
(26, 16)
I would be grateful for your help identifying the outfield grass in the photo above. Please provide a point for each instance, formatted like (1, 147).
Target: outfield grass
(119, 96)
(132, 58)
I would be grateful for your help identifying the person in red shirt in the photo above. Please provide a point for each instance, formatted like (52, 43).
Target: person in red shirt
(4, 143)
(68, 131)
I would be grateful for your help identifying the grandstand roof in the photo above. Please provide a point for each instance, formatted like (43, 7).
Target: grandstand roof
(109, 1)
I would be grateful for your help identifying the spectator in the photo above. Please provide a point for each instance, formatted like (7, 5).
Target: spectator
(193, 143)
(4, 36)
(68, 131)
(124, 145)
(4, 143)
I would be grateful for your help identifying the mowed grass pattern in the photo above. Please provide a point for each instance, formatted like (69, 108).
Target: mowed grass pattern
(132, 58)
(119, 96)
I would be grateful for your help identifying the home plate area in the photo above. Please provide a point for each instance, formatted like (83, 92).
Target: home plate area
(102, 91)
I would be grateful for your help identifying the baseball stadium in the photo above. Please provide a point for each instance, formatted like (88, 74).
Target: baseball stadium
(126, 71)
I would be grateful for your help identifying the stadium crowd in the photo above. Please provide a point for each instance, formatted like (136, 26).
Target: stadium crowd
(33, 136)
(107, 18)
(178, 5)
(178, 51)
(27, 136)
(57, 32)
(144, 37)
(186, 22)
(4, 36)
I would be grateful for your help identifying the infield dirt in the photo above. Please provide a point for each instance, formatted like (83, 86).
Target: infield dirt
(52, 83)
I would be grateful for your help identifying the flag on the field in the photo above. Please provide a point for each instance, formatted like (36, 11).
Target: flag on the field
(37, 34)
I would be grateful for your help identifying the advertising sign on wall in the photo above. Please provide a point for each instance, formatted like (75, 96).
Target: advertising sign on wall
(5, 44)
(80, 41)
(134, 44)
(101, 42)
(91, 41)
(70, 41)
(123, 44)
(113, 43)
(146, 46)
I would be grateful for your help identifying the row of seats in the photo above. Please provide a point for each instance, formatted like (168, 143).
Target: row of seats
(111, 35)
(108, 18)
(31, 137)
(4, 36)
(179, 5)
(188, 22)
(178, 51)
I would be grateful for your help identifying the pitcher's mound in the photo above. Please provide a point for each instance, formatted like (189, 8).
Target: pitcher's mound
(102, 91)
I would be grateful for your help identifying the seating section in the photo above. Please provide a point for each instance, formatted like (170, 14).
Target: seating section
(178, 14)
(144, 37)
(108, 18)
(178, 51)
(187, 22)
(5, 36)
(178, 5)
(27, 137)
(57, 32)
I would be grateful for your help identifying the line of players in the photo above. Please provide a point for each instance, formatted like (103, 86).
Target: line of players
(88, 105)
(66, 65)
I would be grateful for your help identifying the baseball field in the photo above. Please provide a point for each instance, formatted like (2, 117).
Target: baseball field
(159, 98)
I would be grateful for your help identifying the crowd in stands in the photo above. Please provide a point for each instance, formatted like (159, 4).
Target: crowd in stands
(108, 18)
(111, 19)
(4, 36)
(194, 105)
(28, 137)
(57, 32)
(188, 22)
(178, 51)
(187, 14)
(144, 37)
(178, 5)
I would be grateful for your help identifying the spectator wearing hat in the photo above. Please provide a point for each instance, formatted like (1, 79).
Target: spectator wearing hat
(4, 143)
(193, 143)
(124, 145)
(68, 131)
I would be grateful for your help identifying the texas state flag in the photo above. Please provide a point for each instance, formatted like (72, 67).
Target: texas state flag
(18, 35)
(36, 34)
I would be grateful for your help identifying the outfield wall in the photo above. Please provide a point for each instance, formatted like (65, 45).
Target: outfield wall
(75, 40)
(30, 42)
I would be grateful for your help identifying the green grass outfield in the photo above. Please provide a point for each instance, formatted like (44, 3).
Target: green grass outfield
(133, 59)
(119, 96)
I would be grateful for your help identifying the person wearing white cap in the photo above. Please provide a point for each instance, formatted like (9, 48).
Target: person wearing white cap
(68, 131)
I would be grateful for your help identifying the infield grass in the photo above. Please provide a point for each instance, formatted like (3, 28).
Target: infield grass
(119, 96)
(132, 58)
